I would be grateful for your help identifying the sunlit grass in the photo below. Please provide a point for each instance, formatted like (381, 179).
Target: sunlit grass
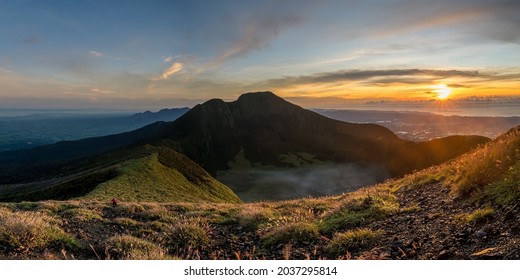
(352, 240)
(477, 216)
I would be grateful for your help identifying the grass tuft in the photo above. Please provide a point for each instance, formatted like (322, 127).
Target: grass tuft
(188, 234)
(360, 210)
(126, 247)
(343, 243)
(253, 217)
(477, 216)
(126, 222)
(293, 233)
(81, 215)
(128, 208)
(27, 231)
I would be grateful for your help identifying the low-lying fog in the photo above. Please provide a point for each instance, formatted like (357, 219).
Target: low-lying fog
(256, 184)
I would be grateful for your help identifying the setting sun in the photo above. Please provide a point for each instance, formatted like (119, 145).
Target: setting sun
(443, 92)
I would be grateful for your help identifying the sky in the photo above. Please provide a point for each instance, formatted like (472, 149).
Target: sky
(156, 54)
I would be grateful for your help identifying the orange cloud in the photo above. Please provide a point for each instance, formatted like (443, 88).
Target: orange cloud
(174, 68)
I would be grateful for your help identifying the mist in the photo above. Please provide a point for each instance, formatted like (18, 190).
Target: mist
(259, 184)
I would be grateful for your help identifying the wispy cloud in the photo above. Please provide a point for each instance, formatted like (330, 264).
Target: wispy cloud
(101, 90)
(256, 34)
(380, 76)
(410, 17)
(391, 83)
(173, 69)
(478, 19)
(168, 59)
(95, 53)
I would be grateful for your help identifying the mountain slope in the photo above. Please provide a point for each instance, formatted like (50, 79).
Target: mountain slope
(140, 174)
(267, 130)
(265, 126)
(444, 212)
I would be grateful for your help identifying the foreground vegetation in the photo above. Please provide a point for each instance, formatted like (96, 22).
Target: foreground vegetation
(464, 209)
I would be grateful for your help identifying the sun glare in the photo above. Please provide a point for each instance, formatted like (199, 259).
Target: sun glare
(443, 92)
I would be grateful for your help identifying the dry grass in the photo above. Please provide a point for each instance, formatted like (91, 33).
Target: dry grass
(126, 247)
(477, 216)
(359, 209)
(253, 216)
(343, 243)
(126, 222)
(27, 231)
(188, 233)
(128, 208)
(294, 233)
(81, 215)
(487, 165)
(154, 212)
(158, 226)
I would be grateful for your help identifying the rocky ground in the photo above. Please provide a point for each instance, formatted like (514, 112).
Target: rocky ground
(433, 231)
(430, 224)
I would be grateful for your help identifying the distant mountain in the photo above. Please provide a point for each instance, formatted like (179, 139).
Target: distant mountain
(259, 130)
(420, 126)
(162, 115)
(47, 128)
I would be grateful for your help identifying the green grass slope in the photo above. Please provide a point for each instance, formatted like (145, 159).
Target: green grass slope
(143, 173)
(148, 179)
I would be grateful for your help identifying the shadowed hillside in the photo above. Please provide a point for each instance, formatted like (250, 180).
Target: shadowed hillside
(267, 127)
(262, 128)
(465, 209)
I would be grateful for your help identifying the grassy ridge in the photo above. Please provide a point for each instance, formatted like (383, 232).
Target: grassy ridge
(144, 173)
(147, 179)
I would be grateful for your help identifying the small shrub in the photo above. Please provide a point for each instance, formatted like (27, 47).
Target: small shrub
(126, 247)
(26, 231)
(352, 240)
(80, 215)
(294, 233)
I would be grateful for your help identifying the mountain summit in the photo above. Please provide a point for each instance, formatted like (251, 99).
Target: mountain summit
(267, 128)
(257, 131)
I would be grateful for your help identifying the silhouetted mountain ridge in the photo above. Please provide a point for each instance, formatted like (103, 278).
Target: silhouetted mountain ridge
(262, 127)
(266, 126)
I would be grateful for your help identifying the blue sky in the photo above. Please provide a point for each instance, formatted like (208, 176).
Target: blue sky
(153, 54)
